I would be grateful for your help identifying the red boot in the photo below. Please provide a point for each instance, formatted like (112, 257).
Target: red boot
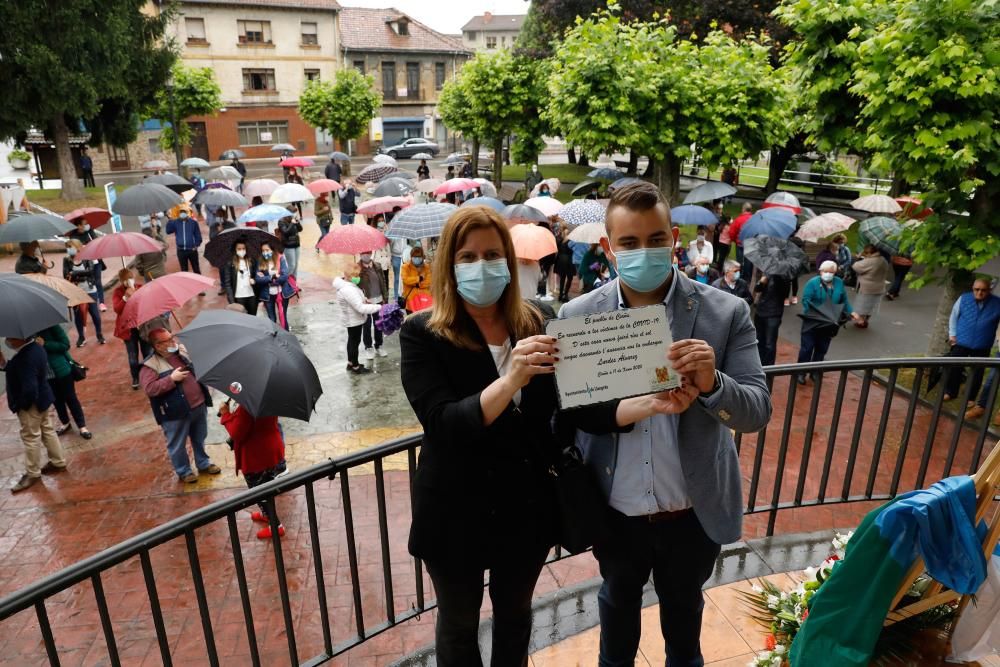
(265, 532)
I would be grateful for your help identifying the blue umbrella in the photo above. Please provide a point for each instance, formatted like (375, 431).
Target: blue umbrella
(606, 174)
(492, 202)
(420, 221)
(621, 182)
(776, 222)
(263, 213)
(692, 215)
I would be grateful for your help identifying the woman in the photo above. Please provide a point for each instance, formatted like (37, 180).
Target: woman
(382, 256)
(593, 264)
(238, 279)
(565, 268)
(374, 284)
(324, 216)
(290, 229)
(135, 346)
(259, 451)
(423, 171)
(901, 265)
(354, 312)
(416, 278)
(478, 373)
(82, 275)
(273, 289)
(543, 190)
(872, 271)
(817, 334)
(56, 344)
(84, 234)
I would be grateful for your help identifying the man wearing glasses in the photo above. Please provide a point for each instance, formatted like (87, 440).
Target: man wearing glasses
(972, 328)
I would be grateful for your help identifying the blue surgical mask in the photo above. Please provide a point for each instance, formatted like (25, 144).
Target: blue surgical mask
(826, 276)
(173, 349)
(736, 276)
(267, 254)
(482, 283)
(183, 215)
(71, 251)
(417, 261)
(644, 269)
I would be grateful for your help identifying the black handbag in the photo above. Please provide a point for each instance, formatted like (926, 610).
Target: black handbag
(77, 371)
(582, 510)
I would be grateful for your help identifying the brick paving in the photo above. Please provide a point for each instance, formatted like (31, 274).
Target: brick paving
(120, 484)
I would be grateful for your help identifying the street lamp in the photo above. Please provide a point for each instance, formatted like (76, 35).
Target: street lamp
(173, 122)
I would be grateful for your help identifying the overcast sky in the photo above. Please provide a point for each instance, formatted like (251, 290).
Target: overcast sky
(446, 16)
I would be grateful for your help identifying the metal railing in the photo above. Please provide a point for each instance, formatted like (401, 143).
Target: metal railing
(810, 462)
(793, 177)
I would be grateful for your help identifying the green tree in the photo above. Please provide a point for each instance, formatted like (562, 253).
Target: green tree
(71, 64)
(343, 107)
(453, 105)
(195, 93)
(929, 83)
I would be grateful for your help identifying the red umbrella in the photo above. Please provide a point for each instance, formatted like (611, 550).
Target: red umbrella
(296, 162)
(384, 205)
(95, 217)
(160, 295)
(913, 208)
(455, 185)
(123, 244)
(321, 185)
(352, 240)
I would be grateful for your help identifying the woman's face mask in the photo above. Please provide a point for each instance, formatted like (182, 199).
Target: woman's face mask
(241, 253)
(417, 261)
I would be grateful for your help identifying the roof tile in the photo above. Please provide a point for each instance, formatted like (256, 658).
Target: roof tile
(495, 22)
(363, 29)
(277, 4)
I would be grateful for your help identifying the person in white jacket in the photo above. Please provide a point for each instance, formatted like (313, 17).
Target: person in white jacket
(353, 311)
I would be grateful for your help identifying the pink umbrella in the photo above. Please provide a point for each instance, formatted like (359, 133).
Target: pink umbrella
(532, 242)
(259, 187)
(163, 294)
(296, 162)
(548, 205)
(352, 240)
(455, 185)
(123, 244)
(823, 226)
(384, 205)
(322, 185)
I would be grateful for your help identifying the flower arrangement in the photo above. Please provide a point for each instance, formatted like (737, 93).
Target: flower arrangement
(390, 318)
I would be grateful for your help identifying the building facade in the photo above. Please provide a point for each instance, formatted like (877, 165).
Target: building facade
(490, 32)
(410, 63)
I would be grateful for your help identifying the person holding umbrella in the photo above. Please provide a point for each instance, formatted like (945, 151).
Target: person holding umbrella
(82, 275)
(825, 298)
(238, 278)
(136, 348)
(290, 229)
(423, 171)
(179, 403)
(84, 234)
(273, 289)
(55, 342)
(31, 260)
(416, 275)
(333, 170)
(770, 292)
(240, 167)
(348, 202)
(29, 396)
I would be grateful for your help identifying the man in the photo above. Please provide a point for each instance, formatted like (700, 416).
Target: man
(188, 234)
(348, 203)
(31, 259)
(29, 396)
(179, 405)
(817, 335)
(771, 293)
(332, 170)
(736, 226)
(87, 167)
(240, 167)
(450, 174)
(667, 462)
(983, 404)
(732, 283)
(702, 271)
(971, 330)
(152, 265)
(533, 178)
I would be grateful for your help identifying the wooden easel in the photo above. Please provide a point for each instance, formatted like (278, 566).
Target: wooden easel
(987, 480)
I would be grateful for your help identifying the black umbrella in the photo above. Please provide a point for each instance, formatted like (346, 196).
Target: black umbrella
(172, 181)
(219, 250)
(827, 315)
(32, 227)
(586, 186)
(776, 257)
(29, 307)
(340, 157)
(523, 213)
(146, 198)
(393, 187)
(232, 154)
(253, 361)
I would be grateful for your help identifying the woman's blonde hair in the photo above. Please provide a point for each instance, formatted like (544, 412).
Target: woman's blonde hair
(124, 274)
(74, 243)
(449, 319)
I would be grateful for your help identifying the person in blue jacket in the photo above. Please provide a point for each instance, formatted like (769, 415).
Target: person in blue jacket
(972, 328)
(816, 337)
(273, 287)
(188, 234)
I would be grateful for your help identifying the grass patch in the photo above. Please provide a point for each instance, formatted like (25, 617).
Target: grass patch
(52, 199)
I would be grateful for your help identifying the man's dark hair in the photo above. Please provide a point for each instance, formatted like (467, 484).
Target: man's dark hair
(640, 196)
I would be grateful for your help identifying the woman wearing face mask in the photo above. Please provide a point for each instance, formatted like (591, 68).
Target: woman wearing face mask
(354, 310)
(82, 275)
(593, 264)
(477, 370)
(135, 346)
(816, 336)
(382, 256)
(272, 284)
(416, 275)
(63, 386)
(85, 234)
(238, 279)
(375, 287)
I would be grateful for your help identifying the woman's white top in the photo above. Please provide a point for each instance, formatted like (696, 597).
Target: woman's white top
(244, 282)
(502, 357)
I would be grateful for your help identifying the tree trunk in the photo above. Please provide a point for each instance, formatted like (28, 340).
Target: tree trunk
(571, 155)
(72, 187)
(780, 157)
(633, 163)
(899, 187)
(583, 161)
(498, 163)
(650, 168)
(668, 178)
(953, 287)
(475, 156)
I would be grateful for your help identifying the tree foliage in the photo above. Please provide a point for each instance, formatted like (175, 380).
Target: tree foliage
(92, 62)
(195, 93)
(343, 107)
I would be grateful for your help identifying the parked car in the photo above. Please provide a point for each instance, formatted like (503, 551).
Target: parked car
(411, 147)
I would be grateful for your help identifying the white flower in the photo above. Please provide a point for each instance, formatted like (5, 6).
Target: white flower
(772, 601)
(756, 589)
(810, 573)
(777, 662)
(779, 649)
(784, 596)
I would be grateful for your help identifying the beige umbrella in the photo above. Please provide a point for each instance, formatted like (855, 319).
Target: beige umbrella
(429, 185)
(591, 232)
(74, 295)
(823, 226)
(877, 204)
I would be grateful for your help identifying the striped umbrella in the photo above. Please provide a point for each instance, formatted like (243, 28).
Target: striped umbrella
(492, 202)
(877, 204)
(548, 205)
(384, 205)
(375, 173)
(882, 232)
(823, 226)
(260, 187)
(582, 212)
(421, 221)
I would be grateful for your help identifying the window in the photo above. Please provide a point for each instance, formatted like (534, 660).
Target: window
(389, 81)
(312, 75)
(438, 76)
(250, 132)
(154, 146)
(254, 32)
(359, 65)
(503, 41)
(310, 35)
(491, 42)
(471, 35)
(403, 27)
(413, 80)
(258, 79)
(195, 29)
